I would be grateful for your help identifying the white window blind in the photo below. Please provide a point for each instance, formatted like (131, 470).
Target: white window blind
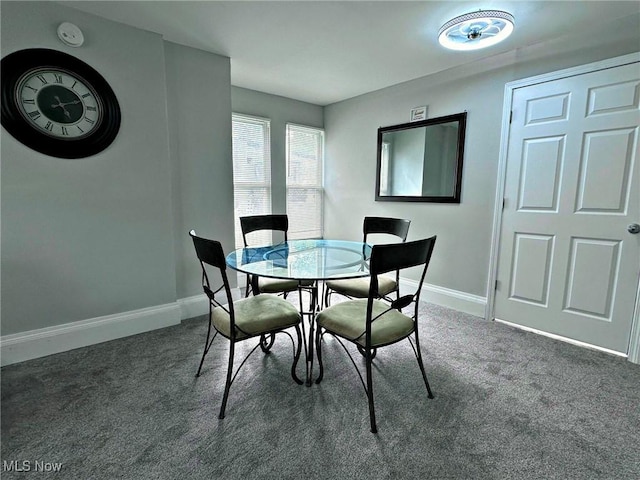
(305, 191)
(251, 173)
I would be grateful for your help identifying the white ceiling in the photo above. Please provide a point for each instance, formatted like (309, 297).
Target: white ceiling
(323, 52)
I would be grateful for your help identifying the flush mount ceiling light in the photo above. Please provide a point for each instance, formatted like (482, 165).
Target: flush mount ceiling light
(475, 30)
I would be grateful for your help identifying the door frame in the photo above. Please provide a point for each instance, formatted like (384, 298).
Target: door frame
(633, 352)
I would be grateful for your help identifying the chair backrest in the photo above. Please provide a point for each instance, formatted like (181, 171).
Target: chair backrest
(210, 252)
(398, 256)
(391, 226)
(274, 222)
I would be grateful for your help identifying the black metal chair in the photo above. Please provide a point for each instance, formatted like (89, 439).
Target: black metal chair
(274, 223)
(359, 287)
(251, 317)
(373, 324)
(257, 285)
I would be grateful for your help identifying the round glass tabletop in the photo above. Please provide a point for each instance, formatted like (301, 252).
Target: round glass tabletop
(304, 260)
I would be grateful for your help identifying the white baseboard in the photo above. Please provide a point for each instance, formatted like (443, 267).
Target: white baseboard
(198, 305)
(23, 346)
(193, 306)
(38, 343)
(562, 339)
(460, 301)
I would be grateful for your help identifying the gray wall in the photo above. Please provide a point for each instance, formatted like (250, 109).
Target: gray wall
(108, 234)
(199, 101)
(280, 111)
(461, 256)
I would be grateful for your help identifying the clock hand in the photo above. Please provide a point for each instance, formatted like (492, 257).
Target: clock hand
(66, 112)
(62, 105)
(53, 105)
(75, 102)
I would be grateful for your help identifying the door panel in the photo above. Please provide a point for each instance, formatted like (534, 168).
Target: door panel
(531, 268)
(540, 174)
(592, 277)
(546, 109)
(606, 165)
(567, 264)
(614, 97)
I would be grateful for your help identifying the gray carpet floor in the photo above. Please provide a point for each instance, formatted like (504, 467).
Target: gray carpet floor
(508, 405)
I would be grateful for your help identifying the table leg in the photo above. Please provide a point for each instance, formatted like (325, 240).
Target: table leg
(312, 313)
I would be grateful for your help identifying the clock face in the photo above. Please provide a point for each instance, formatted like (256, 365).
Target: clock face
(56, 104)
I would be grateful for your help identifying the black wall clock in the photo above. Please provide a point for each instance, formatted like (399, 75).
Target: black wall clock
(56, 104)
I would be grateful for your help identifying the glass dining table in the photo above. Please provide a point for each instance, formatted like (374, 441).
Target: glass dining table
(313, 260)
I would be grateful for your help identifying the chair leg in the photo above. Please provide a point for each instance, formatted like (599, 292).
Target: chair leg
(228, 382)
(363, 352)
(424, 375)
(206, 345)
(248, 286)
(372, 413)
(296, 357)
(265, 345)
(319, 350)
(326, 297)
(315, 299)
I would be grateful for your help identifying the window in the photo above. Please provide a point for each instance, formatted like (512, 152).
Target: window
(251, 173)
(305, 158)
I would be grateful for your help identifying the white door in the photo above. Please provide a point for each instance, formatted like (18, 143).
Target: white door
(567, 263)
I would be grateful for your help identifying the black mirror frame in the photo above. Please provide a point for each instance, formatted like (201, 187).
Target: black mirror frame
(461, 118)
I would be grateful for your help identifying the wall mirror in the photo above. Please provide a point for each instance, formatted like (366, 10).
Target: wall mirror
(421, 161)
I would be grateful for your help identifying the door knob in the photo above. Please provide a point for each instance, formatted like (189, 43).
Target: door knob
(633, 228)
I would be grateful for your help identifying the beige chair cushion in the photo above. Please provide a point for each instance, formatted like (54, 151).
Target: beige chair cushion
(359, 287)
(277, 285)
(256, 315)
(348, 319)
